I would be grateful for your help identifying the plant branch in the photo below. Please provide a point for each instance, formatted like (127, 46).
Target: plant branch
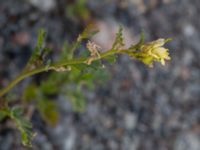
(40, 69)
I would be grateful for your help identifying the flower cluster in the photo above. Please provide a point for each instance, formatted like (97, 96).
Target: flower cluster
(153, 51)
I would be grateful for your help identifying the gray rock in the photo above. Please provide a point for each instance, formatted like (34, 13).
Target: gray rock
(187, 141)
(130, 120)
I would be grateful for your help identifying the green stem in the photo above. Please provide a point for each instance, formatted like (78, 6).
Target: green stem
(40, 69)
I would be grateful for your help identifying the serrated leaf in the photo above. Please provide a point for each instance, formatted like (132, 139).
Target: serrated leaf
(40, 52)
(40, 39)
(119, 40)
(67, 52)
(23, 125)
(139, 44)
(39, 45)
(88, 32)
(25, 128)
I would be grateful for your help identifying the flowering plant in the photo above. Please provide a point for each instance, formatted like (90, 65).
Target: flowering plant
(81, 70)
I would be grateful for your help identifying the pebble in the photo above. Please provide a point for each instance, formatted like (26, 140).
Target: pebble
(22, 38)
(108, 29)
(154, 101)
(189, 30)
(130, 120)
(187, 141)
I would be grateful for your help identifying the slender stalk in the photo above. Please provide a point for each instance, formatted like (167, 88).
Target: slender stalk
(40, 69)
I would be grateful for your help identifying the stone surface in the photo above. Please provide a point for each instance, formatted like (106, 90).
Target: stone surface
(138, 107)
(187, 141)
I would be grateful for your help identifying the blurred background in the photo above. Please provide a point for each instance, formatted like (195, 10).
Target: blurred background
(137, 107)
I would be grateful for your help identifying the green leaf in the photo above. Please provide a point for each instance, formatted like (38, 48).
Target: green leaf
(89, 32)
(86, 76)
(77, 100)
(3, 108)
(25, 128)
(141, 37)
(48, 111)
(48, 87)
(79, 67)
(23, 125)
(39, 45)
(67, 52)
(84, 53)
(119, 40)
(40, 39)
(3, 113)
(29, 92)
(2, 116)
(111, 58)
(95, 65)
(77, 9)
(139, 44)
(40, 51)
(16, 111)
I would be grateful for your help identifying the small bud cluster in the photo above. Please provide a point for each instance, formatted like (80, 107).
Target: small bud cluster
(93, 48)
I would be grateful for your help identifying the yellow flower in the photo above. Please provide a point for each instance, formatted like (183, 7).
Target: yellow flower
(154, 51)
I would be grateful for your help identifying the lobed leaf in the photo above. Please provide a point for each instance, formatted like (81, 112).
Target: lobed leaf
(119, 40)
(23, 125)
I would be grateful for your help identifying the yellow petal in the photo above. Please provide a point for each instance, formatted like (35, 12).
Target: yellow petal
(163, 62)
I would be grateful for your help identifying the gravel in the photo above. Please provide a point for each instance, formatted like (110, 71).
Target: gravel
(139, 108)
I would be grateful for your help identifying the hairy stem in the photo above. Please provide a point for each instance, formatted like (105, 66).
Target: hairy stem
(40, 69)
